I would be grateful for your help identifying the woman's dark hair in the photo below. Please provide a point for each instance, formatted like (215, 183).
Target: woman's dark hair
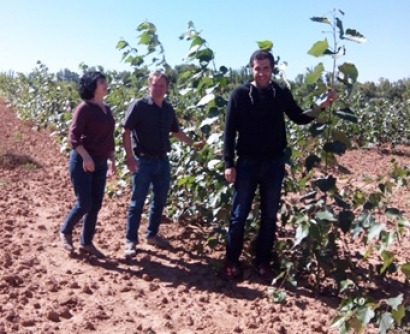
(88, 84)
(261, 55)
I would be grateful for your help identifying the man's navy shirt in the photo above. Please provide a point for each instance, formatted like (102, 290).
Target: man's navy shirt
(150, 126)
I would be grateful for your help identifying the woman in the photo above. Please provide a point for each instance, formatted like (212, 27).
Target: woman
(91, 137)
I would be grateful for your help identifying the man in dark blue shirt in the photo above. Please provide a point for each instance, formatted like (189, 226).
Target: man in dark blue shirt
(147, 126)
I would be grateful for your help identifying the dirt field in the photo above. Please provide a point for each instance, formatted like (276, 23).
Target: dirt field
(42, 290)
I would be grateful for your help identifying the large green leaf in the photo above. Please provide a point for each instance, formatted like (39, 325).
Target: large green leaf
(197, 41)
(348, 73)
(265, 45)
(399, 314)
(347, 114)
(312, 77)
(145, 38)
(320, 19)
(319, 48)
(354, 36)
(395, 302)
(147, 26)
(121, 45)
(205, 56)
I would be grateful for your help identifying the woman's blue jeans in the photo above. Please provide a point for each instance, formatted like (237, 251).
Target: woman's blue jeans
(89, 189)
(153, 172)
(250, 173)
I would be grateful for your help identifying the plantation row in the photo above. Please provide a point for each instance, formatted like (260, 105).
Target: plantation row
(326, 218)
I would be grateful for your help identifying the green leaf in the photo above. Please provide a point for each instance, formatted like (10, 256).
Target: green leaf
(399, 314)
(213, 163)
(395, 302)
(388, 258)
(121, 45)
(265, 45)
(393, 212)
(354, 36)
(319, 48)
(197, 41)
(314, 76)
(345, 284)
(374, 231)
(348, 73)
(205, 100)
(136, 61)
(145, 39)
(302, 232)
(341, 137)
(316, 129)
(205, 56)
(326, 184)
(208, 121)
(405, 268)
(365, 314)
(325, 215)
(347, 114)
(339, 25)
(147, 26)
(386, 322)
(320, 19)
(310, 195)
(279, 296)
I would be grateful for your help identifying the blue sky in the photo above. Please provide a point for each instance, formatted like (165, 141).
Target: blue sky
(62, 34)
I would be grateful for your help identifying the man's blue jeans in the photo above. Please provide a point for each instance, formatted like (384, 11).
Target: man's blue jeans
(155, 172)
(250, 173)
(89, 189)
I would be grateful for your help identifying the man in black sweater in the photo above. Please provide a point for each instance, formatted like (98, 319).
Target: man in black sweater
(255, 127)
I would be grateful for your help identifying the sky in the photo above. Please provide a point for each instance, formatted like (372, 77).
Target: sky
(64, 34)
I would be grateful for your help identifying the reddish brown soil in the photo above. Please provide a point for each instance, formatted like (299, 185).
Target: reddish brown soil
(42, 290)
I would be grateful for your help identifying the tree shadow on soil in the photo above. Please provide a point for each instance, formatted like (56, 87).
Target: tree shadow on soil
(12, 161)
(200, 273)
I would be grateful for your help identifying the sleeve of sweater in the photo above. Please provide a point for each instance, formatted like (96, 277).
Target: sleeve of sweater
(230, 131)
(77, 125)
(292, 109)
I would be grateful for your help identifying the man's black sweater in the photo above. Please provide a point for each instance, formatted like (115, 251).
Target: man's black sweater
(255, 123)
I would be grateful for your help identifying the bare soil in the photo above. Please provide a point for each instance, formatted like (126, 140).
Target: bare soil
(175, 290)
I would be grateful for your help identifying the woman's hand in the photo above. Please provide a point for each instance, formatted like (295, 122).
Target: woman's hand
(112, 169)
(88, 164)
